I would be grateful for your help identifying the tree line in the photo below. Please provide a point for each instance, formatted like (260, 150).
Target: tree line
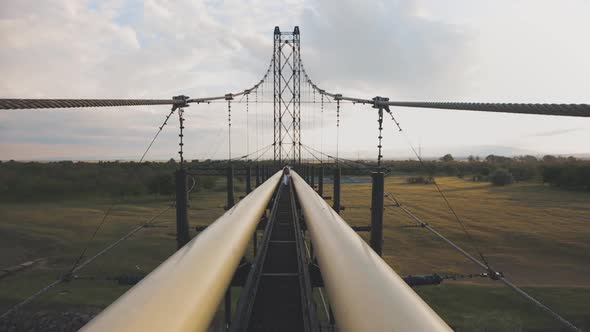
(20, 181)
(565, 172)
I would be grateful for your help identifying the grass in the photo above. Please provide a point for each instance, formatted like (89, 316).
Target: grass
(537, 235)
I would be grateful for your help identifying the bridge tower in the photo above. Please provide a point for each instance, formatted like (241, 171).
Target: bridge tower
(287, 96)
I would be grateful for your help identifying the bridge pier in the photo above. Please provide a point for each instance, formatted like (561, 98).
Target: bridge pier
(336, 186)
(248, 180)
(257, 175)
(230, 188)
(312, 177)
(377, 197)
(182, 229)
(321, 181)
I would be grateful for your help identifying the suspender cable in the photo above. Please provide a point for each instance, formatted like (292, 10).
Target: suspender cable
(337, 127)
(247, 128)
(229, 99)
(181, 135)
(157, 133)
(322, 125)
(484, 266)
(256, 116)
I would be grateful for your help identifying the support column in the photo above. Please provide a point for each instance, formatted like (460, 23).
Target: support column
(230, 187)
(321, 181)
(182, 229)
(312, 176)
(336, 195)
(306, 173)
(377, 197)
(248, 180)
(257, 175)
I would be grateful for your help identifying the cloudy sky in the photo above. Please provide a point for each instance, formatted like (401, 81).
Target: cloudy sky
(415, 50)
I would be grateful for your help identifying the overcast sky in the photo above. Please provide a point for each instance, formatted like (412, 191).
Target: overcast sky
(427, 50)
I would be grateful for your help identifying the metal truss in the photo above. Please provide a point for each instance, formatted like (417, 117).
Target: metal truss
(287, 96)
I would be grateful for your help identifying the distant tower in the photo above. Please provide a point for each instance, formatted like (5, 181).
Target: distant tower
(287, 96)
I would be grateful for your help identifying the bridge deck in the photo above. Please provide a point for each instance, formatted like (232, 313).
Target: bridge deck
(280, 291)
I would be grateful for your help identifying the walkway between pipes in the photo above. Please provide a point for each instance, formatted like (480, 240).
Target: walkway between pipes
(277, 294)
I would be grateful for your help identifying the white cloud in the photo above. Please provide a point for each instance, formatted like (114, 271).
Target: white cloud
(420, 50)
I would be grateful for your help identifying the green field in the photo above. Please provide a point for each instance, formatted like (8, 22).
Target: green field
(537, 235)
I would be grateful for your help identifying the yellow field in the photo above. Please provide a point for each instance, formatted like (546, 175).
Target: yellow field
(538, 236)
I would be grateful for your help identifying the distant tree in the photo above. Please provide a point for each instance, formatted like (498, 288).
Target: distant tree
(447, 158)
(497, 159)
(485, 171)
(471, 158)
(161, 185)
(501, 177)
(549, 158)
(526, 159)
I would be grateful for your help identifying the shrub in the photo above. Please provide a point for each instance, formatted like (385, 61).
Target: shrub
(501, 177)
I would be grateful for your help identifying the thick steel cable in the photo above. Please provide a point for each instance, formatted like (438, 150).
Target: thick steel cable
(8, 104)
(66, 276)
(576, 110)
(494, 276)
(15, 103)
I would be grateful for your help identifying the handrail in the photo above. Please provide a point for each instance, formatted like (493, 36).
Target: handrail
(184, 292)
(365, 293)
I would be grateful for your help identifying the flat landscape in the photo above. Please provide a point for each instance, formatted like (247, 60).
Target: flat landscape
(535, 234)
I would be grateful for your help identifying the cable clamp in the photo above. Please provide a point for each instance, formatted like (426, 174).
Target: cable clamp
(494, 275)
(180, 102)
(380, 102)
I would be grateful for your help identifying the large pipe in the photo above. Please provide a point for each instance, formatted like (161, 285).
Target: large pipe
(184, 292)
(365, 293)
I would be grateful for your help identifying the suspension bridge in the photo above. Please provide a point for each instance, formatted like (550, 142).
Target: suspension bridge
(300, 242)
